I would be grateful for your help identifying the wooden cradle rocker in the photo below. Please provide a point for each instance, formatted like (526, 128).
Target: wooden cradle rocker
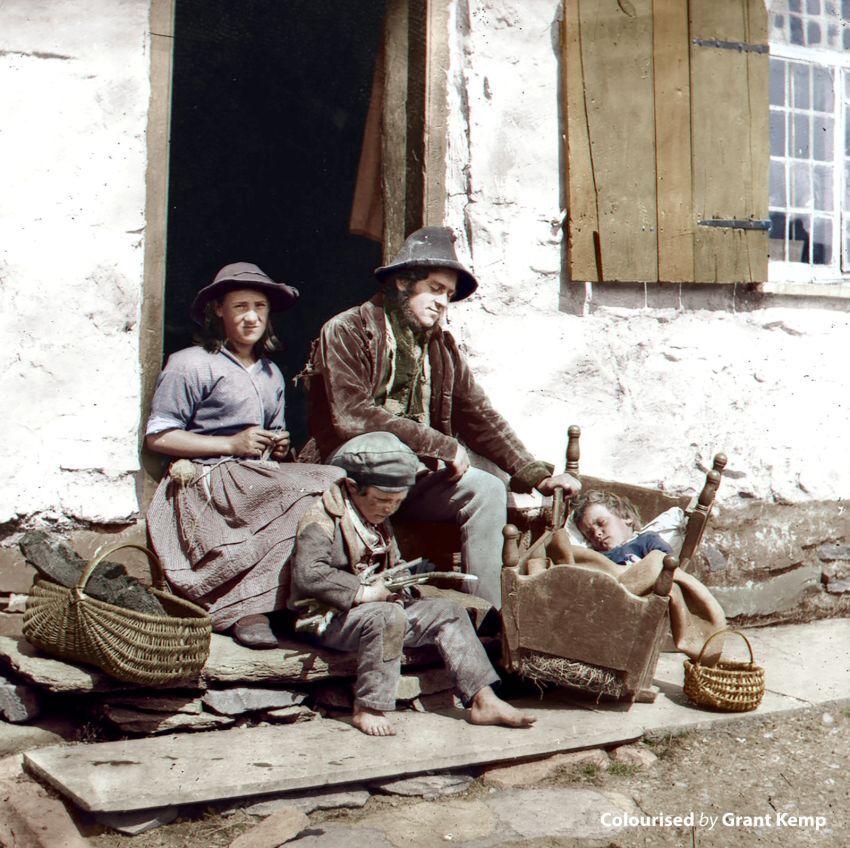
(580, 627)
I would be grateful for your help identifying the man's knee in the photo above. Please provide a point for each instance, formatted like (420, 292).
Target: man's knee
(486, 489)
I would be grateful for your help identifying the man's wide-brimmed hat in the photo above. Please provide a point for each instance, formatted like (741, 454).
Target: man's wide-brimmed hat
(431, 247)
(243, 275)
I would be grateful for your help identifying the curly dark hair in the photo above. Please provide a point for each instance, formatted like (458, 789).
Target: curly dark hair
(615, 504)
(212, 337)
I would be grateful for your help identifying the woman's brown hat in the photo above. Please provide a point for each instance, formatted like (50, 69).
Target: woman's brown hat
(243, 275)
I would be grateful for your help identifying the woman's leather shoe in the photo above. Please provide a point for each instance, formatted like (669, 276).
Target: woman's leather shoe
(254, 631)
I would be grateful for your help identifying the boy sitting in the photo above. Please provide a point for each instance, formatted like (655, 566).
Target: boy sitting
(609, 523)
(343, 544)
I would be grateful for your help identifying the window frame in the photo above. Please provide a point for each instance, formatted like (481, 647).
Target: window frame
(786, 277)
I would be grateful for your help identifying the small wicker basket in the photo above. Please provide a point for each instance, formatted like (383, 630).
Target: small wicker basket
(132, 646)
(729, 685)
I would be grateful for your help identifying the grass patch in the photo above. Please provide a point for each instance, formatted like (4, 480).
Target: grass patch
(623, 769)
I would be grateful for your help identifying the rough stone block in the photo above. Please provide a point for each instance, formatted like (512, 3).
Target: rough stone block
(427, 786)
(445, 700)
(829, 553)
(18, 703)
(15, 574)
(11, 624)
(633, 755)
(33, 666)
(529, 773)
(33, 819)
(777, 594)
(245, 700)
(137, 721)
(290, 715)
(138, 821)
(45, 732)
(160, 703)
(836, 577)
(416, 683)
(714, 558)
(352, 798)
(277, 829)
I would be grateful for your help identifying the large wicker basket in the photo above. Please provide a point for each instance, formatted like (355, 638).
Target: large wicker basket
(131, 646)
(729, 685)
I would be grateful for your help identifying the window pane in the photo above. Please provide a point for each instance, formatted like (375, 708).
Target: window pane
(822, 146)
(796, 29)
(801, 185)
(822, 82)
(798, 238)
(822, 187)
(801, 86)
(813, 7)
(777, 82)
(801, 137)
(777, 185)
(847, 136)
(796, 6)
(777, 133)
(822, 242)
(813, 34)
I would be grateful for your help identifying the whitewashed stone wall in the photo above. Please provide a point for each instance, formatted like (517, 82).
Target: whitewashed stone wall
(74, 97)
(657, 391)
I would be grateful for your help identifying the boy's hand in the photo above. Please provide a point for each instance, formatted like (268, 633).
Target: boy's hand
(375, 593)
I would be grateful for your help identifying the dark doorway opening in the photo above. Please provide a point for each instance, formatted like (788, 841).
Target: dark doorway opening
(269, 102)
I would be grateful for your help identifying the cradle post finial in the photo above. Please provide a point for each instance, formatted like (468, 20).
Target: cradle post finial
(510, 547)
(573, 451)
(664, 583)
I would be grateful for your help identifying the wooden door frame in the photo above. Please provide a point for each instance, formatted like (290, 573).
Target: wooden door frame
(415, 117)
(413, 149)
(156, 222)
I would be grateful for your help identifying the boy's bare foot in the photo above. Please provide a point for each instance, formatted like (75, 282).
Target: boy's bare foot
(488, 708)
(372, 722)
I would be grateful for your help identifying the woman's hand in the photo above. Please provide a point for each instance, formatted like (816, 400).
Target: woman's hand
(252, 442)
(282, 445)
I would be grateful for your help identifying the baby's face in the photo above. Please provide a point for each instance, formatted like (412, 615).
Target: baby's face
(603, 529)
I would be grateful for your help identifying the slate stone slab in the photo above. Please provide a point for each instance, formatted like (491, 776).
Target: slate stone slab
(138, 721)
(241, 700)
(18, 703)
(54, 675)
(202, 767)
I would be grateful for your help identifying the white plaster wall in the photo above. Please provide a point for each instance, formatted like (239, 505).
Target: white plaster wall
(656, 391)
(74, 98)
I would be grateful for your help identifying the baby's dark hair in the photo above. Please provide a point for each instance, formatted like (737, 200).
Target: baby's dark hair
(615, 504)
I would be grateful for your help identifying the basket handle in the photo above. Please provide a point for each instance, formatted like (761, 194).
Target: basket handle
(158, 578)
(721, 632)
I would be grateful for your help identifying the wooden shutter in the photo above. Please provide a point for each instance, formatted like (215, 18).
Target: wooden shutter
(666, 111)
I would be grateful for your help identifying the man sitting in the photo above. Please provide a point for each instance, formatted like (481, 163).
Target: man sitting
(343, 545)
(388, 365)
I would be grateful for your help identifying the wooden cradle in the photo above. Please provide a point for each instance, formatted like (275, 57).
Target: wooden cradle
(577, 626)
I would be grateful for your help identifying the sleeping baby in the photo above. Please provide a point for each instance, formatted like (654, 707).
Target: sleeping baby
(609, 523)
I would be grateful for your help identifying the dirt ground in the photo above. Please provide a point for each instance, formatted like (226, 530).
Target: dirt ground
(751, 777)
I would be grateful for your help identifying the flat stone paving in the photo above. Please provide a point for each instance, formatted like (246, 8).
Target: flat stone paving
(804, 665)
